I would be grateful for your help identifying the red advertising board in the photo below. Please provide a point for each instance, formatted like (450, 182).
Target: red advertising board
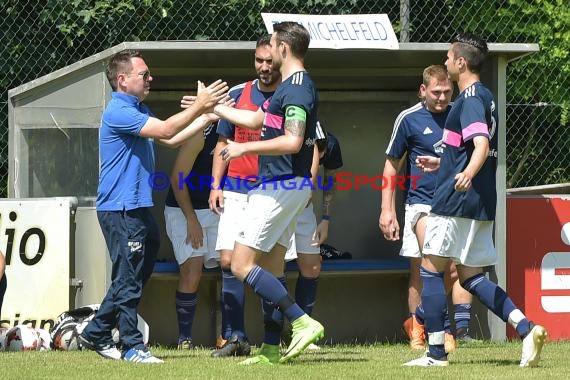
(538, 260)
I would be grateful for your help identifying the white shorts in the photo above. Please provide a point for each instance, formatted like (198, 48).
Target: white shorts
(303, 238)
(177, 232)
(466, 241)
(410, 245)
(271, 214)
(230, 220)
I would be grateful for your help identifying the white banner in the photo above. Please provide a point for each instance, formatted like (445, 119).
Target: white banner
(341, 31)
(35, 237)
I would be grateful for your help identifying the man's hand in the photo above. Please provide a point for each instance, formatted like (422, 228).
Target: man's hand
(463, 181)
(232, 150)
(207, 97)
(188, 100)
(427, 164)
(216, 201)
(389, 226)
(321, 233)
(194, 233)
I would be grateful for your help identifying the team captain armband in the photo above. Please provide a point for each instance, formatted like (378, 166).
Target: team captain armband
(295, 113)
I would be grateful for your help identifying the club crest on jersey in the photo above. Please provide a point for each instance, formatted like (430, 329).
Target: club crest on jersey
(310, 141)
(438, 147)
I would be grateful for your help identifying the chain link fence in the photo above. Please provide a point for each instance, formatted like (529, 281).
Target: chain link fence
(37, 38)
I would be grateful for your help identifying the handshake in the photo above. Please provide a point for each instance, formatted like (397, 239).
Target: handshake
(207, 98)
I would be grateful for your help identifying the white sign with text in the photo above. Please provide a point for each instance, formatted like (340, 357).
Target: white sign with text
(373, 31)
(35, 238)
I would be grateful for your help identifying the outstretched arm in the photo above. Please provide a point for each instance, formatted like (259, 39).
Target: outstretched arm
(289, 143)
(195, 128)
(206, 99)
(244, 118)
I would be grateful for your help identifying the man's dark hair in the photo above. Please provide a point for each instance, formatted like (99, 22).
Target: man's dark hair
(471, 47)
(263, 40)
(322, 144)
(295, 35)
(120, 63)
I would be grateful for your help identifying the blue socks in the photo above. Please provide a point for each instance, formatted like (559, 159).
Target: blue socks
(305, 293)
(496, 300)
(233, 300)
(269, 288)
(490, 295)
(434, 304)
(462, 315)
(185, 310)
(272, 319)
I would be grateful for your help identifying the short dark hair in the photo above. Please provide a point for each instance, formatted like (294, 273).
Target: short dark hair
(263, 40)
(120, 63)
(471, 47)
(295, 35)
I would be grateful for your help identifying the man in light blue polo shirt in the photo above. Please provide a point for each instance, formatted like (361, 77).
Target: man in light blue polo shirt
(124, 197)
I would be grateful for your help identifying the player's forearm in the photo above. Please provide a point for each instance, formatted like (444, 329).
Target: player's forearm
(479, 156)
(184, 202)
(195, 127)
(329, 188)
(286, 144)
(219, 166)
(388, 192)
(177, 122)
(243, 118)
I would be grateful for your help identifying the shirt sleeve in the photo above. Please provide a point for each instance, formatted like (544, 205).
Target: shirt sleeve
(398, 144)
(128, 120)
(299, 96)
(473, 122)
(225, 129)
(332, 159)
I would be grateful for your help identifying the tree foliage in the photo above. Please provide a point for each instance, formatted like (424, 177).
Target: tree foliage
(39, 37)
(546, 22)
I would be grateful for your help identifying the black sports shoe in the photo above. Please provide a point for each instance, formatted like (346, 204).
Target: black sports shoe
(233, 347)
(462, 336)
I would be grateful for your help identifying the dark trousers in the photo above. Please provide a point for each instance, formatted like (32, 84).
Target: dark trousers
(133, 240)
(3, 285)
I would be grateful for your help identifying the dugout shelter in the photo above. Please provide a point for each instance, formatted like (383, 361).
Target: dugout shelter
(53, 152)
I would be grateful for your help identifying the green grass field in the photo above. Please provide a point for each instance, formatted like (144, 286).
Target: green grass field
(484, 360)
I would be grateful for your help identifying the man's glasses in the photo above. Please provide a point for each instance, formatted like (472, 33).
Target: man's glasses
(145, 75)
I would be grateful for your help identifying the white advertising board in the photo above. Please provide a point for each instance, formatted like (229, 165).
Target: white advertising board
(35, 238)
(371, 31)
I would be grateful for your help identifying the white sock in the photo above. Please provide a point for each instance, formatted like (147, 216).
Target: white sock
(515, 317)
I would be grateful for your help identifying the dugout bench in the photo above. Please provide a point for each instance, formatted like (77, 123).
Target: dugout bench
(347, 288)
